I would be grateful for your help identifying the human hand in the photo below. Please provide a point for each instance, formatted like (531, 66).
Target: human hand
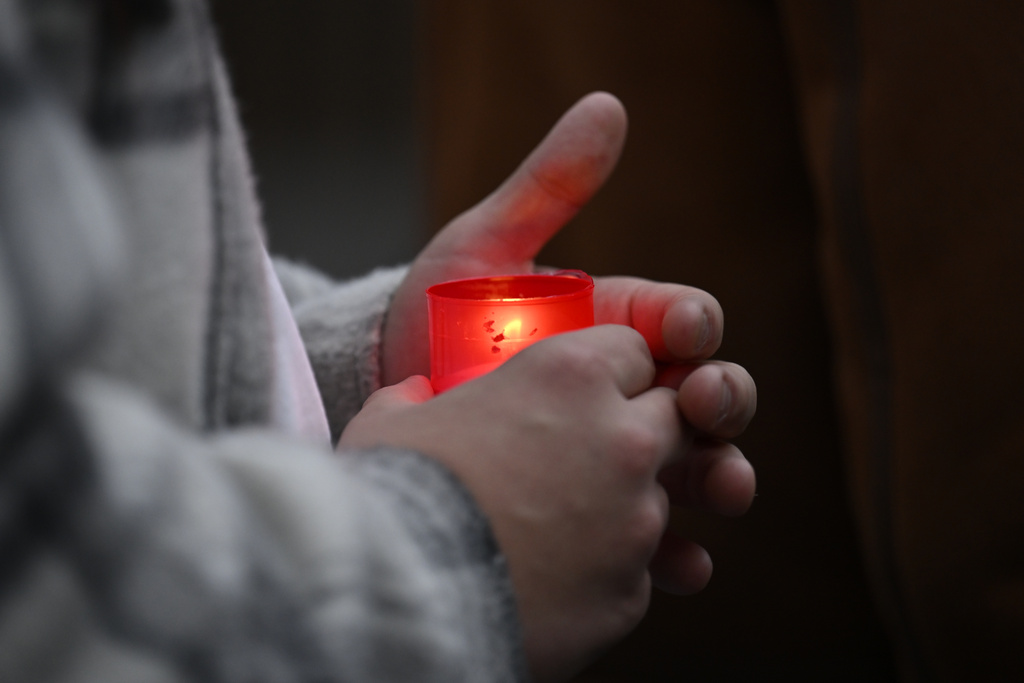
(504, 232)
(563, 448)
(682, 325)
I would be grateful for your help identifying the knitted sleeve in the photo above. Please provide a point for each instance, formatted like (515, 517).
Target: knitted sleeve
(244, 557)
(340, 324)
(136, 548)
(137, 543)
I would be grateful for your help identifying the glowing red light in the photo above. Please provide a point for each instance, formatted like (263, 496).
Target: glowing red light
(478, 324)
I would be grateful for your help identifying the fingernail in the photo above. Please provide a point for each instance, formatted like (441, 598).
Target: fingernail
(724, 403)
(705, 331)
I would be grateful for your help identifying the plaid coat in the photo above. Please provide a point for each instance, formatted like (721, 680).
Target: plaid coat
(170, 506)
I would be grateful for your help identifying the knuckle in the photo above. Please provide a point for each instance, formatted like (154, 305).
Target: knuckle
(633, 606)
(638, 449)
(649, 525)
(567, 360)
(631, 341)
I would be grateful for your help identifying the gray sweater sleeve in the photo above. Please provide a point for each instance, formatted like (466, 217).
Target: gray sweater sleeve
(242, 557)
(340, 324)
(134, 551)
(133, 548)
(138, 542)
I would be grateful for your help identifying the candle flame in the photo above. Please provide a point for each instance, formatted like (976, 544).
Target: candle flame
(513, 329)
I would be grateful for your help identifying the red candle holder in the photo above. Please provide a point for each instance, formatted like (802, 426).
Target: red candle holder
(478, 324)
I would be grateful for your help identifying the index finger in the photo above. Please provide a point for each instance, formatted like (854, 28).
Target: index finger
(591, 357)
(680, 323)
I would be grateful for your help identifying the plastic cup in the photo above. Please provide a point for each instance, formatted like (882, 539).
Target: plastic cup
(478, 324)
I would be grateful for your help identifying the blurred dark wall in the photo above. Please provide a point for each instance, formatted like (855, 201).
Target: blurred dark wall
(326, 94)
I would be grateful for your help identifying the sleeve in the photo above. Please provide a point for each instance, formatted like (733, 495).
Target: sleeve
(134, 551)
(340, 325)
(133, 548)
(219, 559)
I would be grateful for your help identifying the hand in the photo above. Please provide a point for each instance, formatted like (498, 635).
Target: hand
(682, 325)
(504, 233)
(569, 607)
(562, 448)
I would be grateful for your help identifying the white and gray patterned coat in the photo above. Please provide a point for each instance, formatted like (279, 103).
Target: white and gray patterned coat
(170, 505)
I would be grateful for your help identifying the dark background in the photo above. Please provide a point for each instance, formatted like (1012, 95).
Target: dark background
(327, 97)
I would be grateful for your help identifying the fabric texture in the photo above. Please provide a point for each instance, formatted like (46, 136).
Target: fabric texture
(167, 512)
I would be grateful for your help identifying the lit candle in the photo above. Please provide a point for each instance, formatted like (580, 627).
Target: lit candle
(478, 324)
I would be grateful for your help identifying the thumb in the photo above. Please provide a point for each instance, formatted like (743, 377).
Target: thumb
(558, 178)
(372, 425)
(410, 391)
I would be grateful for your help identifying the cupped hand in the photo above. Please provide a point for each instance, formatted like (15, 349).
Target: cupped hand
(564, 448)
(552, 461)
(560, 447)
(504, 232)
